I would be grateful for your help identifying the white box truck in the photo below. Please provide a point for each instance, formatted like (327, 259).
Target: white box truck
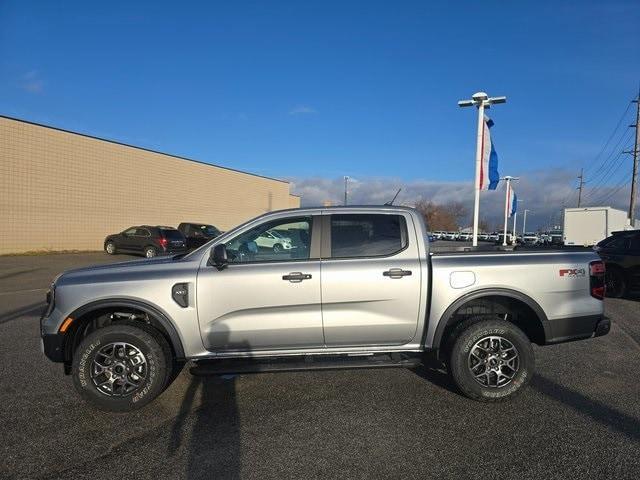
(587, 226)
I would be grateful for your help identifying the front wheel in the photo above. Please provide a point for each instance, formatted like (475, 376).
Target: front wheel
(277, 248)
(120, 368)
(491, 359)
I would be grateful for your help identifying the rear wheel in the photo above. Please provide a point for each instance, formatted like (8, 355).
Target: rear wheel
(121, 367)
(615, 283)
(150, 252)
(491, 359)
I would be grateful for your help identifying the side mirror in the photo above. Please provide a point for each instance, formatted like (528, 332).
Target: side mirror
(218, 256)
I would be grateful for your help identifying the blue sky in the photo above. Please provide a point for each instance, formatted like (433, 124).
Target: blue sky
(323, 89)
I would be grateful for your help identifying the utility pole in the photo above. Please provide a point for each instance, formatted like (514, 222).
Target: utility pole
(482, 101)
(635, 153)
(507, 204)
(346, 189)
(580, 186)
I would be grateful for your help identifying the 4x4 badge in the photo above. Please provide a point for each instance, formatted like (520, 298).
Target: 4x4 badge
(572, 272)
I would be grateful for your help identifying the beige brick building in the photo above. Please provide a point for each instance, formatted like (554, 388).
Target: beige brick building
(60, 190)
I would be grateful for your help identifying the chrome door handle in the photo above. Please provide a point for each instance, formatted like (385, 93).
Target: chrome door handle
(296, 277)
(396, 273)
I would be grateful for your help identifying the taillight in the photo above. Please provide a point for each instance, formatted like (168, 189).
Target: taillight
(163, 242)
(596, 279)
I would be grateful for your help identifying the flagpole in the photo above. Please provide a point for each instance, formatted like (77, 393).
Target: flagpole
(476, 204)
(480, 100)
(506, 211)
(507, 204)
(514, 234)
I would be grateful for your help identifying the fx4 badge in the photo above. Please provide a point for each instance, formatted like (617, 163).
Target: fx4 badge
(572, 272)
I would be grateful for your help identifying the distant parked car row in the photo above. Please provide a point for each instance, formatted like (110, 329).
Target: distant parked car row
(464, 236)
(153, 240)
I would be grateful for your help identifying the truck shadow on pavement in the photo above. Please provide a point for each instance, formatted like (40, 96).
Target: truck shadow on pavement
(598, 411)
(29, 310)
(213, 449)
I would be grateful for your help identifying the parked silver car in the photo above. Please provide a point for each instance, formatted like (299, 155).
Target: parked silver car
(358, 289)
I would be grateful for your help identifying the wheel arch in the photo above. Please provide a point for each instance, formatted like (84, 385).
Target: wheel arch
(160, 320)
(537, 333)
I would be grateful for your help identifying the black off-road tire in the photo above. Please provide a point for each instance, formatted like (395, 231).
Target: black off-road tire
(471, 331)
(149, 342)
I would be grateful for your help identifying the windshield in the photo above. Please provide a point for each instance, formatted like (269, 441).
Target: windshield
(277, 234)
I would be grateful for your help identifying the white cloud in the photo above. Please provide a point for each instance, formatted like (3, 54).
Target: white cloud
(302, 110)
(31, 82)
(542, 193)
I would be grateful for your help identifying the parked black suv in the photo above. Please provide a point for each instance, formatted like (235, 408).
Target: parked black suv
(621, 255)
(198, 234)
(147, 240)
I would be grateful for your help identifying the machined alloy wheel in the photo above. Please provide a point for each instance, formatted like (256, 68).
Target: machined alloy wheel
(493, 361)
(277, 248)
(119, 369)
(489, 358)
(150, 252)
(123, 366)
(110, 248)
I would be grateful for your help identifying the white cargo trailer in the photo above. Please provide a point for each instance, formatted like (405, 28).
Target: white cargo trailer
(587, 226)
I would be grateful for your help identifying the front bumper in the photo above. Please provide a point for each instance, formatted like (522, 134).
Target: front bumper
(577, 328)
(53, 347)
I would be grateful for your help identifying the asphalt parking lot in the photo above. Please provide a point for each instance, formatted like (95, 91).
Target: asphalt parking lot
(580, 418)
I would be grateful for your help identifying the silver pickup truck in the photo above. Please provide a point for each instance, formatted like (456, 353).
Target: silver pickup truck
(355, 287)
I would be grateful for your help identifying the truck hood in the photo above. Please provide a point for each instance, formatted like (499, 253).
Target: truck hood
(120, 270)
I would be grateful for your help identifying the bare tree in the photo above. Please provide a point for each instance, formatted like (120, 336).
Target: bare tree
(442, 216)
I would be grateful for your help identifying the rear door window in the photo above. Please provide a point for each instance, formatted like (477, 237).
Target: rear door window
(368, 235)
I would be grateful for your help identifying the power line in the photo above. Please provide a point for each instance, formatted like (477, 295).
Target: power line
(601, 172)
(610, 137)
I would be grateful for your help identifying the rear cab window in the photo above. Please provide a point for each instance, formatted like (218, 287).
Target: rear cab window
(367, 235)
(171, 234)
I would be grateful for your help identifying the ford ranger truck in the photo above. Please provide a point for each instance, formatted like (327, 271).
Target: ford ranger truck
(358, 289)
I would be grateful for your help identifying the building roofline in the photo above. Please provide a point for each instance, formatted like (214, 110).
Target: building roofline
(140, 148)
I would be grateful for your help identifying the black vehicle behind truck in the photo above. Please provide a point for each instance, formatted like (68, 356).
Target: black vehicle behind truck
(147, 240)
(197, 234)
(621, 255)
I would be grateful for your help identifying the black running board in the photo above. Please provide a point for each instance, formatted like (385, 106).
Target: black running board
(310, 362)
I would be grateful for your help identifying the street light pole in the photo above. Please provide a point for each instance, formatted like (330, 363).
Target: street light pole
(346, 189)
(524, 224)
(480, 100)
(507, 203)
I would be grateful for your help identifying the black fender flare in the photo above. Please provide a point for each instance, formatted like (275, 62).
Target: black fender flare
(447, 316)
(146, 307)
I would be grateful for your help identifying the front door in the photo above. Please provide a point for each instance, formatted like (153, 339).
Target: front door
(265, 298)
(371, 280)
(127, 240)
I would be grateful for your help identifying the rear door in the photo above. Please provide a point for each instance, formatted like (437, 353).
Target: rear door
(371, 279)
